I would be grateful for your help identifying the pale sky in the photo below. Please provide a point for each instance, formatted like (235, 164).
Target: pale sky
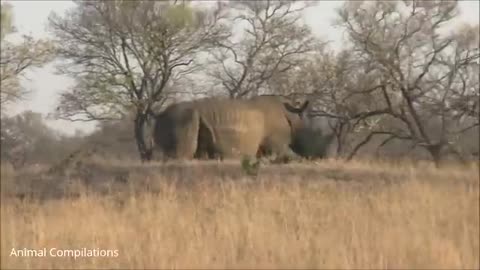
(30, 17)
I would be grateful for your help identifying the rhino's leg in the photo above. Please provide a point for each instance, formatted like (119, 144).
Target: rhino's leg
(282, 150)
(186, 134)
(164, 137)
(206, 145)
(288, 152)
(218, 140)
(235, 144)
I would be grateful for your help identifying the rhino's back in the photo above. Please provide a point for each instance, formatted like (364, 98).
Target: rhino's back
(277, 128)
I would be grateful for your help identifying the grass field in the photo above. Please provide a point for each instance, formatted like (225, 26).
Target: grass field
(329, 214)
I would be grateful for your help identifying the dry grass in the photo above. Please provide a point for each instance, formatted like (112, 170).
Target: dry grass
(210, 215)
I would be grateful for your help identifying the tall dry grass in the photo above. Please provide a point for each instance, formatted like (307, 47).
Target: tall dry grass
(210, 215)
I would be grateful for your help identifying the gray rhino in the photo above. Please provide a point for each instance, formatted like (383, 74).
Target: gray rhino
(225, 128)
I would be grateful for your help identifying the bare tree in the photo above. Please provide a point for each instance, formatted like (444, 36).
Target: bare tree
(422, 75)
(341, 90)
(125, 54)
(267, 37)
(17, 57)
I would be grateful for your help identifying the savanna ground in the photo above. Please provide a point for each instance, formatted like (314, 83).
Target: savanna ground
(328, 214)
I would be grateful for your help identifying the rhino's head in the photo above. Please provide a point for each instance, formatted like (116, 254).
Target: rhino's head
(284, 118)
(297, 119)
(296, 114)
(294, 111)
(315, 140)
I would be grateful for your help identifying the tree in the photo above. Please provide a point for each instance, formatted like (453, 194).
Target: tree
(331, 81)
(114, 138)
(125, 54)
(26, 139)
(17, 58)
(273, 40)
(422, 75)
(339, 88)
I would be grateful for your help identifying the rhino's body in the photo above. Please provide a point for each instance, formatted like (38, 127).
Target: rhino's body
(280, 125)
(229, 128)
(176, 131)
(225, 128)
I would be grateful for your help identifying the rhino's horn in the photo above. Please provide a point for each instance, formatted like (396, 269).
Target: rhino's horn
(297, 110)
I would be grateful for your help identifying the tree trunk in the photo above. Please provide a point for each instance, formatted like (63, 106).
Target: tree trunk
(339, 148)
(341, 133)
(144, 150)
(436, 153)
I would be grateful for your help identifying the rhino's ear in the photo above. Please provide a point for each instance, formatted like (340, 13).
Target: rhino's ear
(296, 110)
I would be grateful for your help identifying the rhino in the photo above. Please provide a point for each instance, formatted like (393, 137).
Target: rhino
(226, 128)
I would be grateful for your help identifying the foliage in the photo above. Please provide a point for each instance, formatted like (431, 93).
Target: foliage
(17, 57)
(26, 139)
(6, 16)
(250, 166)
(273, 40)
(422, 74)
(125, 55)
(401, 81)
(400, 77)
